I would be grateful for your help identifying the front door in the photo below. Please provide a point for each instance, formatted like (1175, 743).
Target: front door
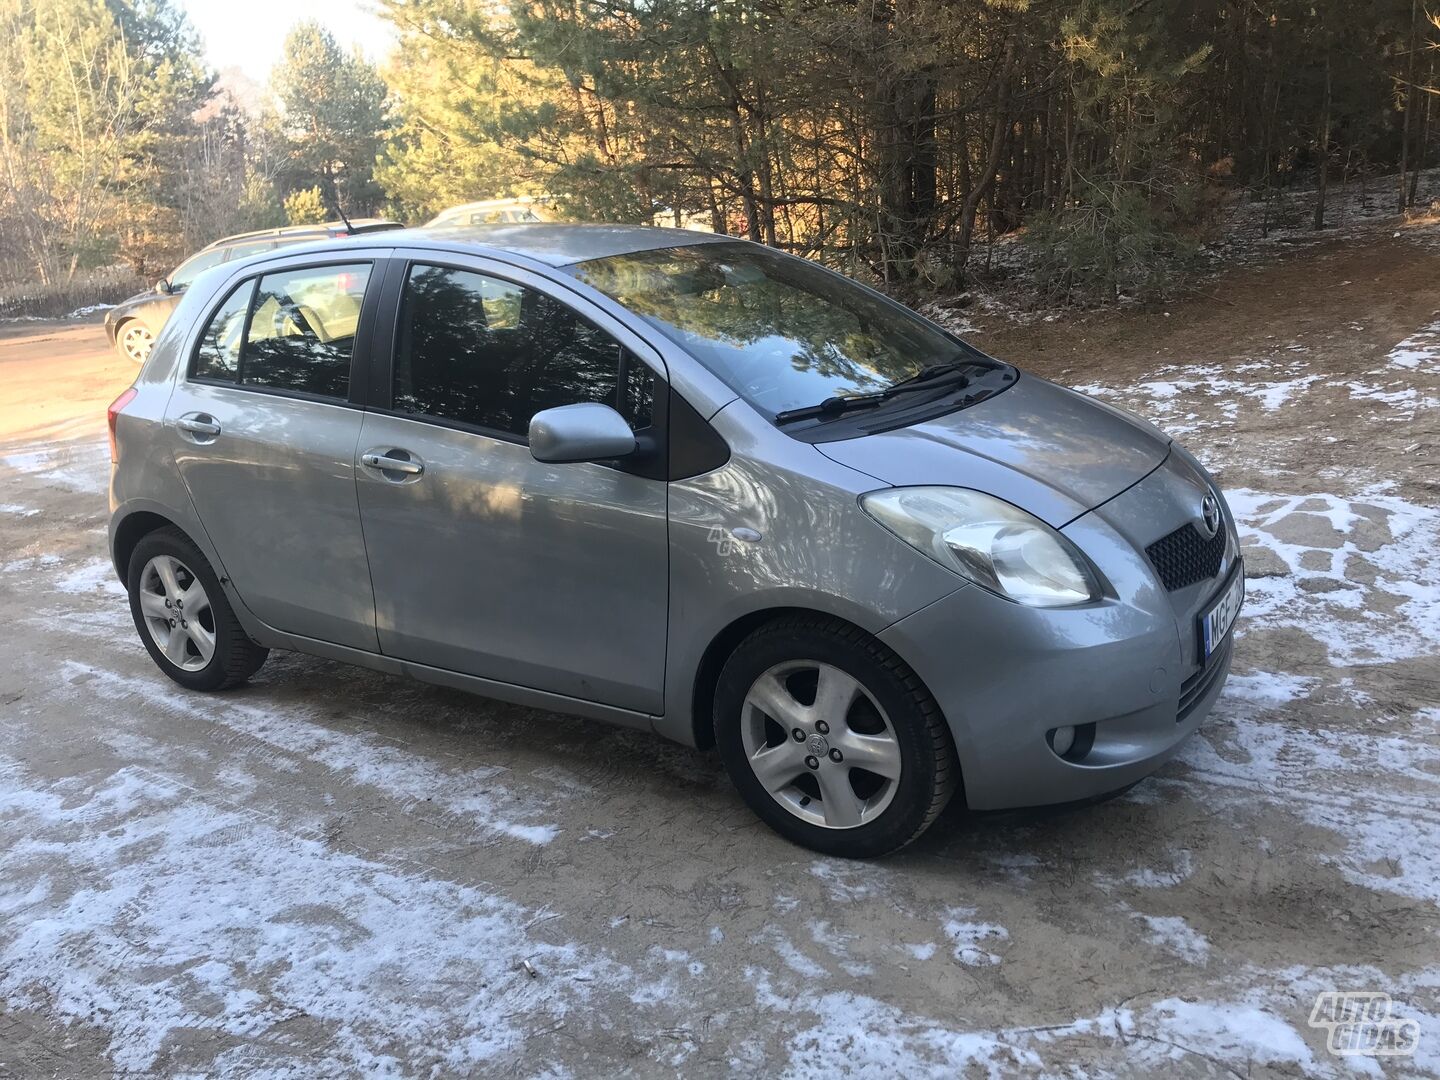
(485, 561)
(264, 437)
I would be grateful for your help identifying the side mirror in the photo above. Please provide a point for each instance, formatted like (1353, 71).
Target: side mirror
(585, 432)
(163, 287)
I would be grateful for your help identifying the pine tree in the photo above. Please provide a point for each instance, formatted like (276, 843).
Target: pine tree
(333, 117)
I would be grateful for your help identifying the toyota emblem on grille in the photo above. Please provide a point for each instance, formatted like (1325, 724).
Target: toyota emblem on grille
(1210, 515)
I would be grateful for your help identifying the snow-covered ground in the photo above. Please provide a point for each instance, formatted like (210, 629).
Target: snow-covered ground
(335, 873)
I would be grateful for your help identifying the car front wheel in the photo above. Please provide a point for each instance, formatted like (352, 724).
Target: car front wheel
(135, 341)
(831, 739)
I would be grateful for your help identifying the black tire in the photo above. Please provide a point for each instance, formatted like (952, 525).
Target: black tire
(235, 658)
(929, 772)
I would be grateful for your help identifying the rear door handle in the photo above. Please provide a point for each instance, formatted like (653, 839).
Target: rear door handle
(386, 462)
(198, 424)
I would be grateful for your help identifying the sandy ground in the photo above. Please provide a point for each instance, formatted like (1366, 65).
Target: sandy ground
(331, 872)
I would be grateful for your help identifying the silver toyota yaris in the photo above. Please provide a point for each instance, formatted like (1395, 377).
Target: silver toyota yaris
(683, 483)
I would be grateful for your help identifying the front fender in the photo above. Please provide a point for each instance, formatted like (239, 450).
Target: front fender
(803, 543)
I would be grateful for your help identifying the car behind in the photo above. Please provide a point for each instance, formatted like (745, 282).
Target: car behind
(133, 324)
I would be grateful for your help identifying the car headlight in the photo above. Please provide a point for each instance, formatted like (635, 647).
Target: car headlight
(987, 540)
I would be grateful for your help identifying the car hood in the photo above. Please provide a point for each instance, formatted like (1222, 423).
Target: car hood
(130, 303)
(1040, 446)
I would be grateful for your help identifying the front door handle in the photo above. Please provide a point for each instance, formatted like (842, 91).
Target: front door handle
(202, 424)
(386, 461)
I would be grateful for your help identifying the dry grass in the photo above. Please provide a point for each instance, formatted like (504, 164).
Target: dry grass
(28, 299)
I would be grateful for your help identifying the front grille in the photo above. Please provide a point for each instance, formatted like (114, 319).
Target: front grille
(1185, 556)
(1199, 684)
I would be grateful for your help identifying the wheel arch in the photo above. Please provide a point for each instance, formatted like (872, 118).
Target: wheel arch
(712, 660)
(133, 528)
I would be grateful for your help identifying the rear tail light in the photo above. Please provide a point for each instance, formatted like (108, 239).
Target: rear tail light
(112, 413)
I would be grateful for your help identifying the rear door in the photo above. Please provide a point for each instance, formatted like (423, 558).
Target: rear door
(484, 560)
(264, 426)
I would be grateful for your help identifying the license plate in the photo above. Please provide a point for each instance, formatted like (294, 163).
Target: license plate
(1219, 617)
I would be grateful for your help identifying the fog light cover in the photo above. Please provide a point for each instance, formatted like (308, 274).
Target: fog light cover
(1072, 743)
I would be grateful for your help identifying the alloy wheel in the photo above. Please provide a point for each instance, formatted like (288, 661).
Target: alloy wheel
(820, 744)
(177, 612)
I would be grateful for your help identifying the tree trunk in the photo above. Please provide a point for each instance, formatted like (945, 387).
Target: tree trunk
(999, 136)
(904, 136)
(1409, 105)
(1424, 144)
(745, 174)
(718, 223)
(1324, 179)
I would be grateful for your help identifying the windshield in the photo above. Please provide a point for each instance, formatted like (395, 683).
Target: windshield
(191, 268)
(780, 331)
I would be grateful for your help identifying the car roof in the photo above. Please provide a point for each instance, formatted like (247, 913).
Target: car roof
(554, 243)
(490, 204)
(320, 230)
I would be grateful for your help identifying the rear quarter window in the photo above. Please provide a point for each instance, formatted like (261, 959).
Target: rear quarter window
(218, 355)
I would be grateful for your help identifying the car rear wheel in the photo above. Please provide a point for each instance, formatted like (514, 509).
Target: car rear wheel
(831, 739)
(135, 341)
(184, 619)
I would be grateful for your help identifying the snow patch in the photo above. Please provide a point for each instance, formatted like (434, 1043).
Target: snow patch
(1268, 689)
(1173, 933)
(1145, 877)
(1166, 397)
(1361, 577)
(973, 940)
(80, 466)
(144, 894)
(1374, 792)
(849, 881)
(465, 797)
(1420, 351)
(857, 1035)
(1231, 1031)
(98, 575)
(89, 309)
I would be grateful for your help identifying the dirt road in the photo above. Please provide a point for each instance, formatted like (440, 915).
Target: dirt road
(331, 872)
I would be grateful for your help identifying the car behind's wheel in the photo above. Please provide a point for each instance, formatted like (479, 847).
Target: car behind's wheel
(183, 617)
(135, 341)
(832, 739)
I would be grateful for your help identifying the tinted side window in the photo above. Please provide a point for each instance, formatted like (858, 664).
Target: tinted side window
(302, 329)
(218, 356)
(492, 353)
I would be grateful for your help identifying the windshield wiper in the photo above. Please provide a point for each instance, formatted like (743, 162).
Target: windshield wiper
(928, 374)
(928, 378)
(831, 406)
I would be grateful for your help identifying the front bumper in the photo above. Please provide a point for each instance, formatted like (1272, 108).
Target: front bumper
(1002, 690)
(1005, 675)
